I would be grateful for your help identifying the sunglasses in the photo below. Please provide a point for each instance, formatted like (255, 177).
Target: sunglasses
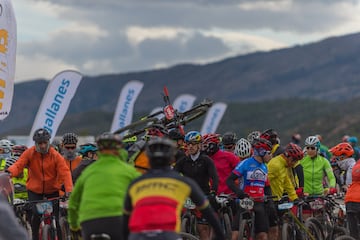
(192, 143)
(69, 147)
(312, 148)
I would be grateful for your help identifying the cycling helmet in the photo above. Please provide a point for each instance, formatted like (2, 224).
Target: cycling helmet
(17, 150)
(193, 136)
(312, 141)
(352, 140)
(262, 143)
(243, 148)
(5, 145)
(342, 149)
(88, 147)
(69, 138)
(294, 151)
(175, 134)
(41, 135)
(10, 161)
(161, 151)
(108, 141)
(270, 135)
(253, 135)
(211, 143)
(156, 130)
(229, 138)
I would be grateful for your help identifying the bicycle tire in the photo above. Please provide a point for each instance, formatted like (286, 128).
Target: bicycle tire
(345, 237)
(64, 228)
(185, 225)
(187, 236)
(48, 233)
(339, 231)
(287, 232)
(244, 230)
(135, 125)
(320, 227)
(314, 230)
(185, 117)
(227, 226)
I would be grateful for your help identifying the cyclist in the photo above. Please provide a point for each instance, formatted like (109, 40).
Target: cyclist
(5, 152)
(352, 202)
(228, 141)
(272, 136)
(200, 168)
(253, 135)
(88, 155)
(96, 202)
(224, 161)
(178, 137)
(154, 201)
(243, 149)
(354, 141)
(315, 168)
(253, 174)
(343, 155)
(45, 167)
(296, 138)
(68, 145)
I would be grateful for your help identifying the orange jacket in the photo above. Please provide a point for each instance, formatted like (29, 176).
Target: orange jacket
(74, 163)
(44, 171)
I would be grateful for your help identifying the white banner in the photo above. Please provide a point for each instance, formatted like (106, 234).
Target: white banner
(184, 102)
(7, 56)
(124, 109)
(55, 102)
(213, 118)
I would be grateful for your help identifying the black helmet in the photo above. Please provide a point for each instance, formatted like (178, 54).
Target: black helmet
(41, 135)
(175, 134)
(108, 141)
(69, 138)
(229, 138)
(161, 151)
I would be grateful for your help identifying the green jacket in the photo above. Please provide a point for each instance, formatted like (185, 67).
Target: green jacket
(100, 190)
(314, 172)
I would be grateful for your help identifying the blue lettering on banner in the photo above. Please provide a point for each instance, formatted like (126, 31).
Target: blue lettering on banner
(183, 106)
(209, 128)
(125, 109)
(55, 105)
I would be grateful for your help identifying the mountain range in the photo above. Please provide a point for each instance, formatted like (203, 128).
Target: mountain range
(324, 74)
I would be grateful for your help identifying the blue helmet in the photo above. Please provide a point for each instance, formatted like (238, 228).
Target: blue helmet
(353, 140)
(193, 136)
(88, 147)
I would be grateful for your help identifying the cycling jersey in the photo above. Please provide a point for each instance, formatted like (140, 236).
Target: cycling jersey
(100, 190)
(314, 171)
(280, 181)
(224, 162)
(254, 176)
(44, 170)
(202, 170)
(2, 164)
(353, 192)
(161, 193)
(20, 185)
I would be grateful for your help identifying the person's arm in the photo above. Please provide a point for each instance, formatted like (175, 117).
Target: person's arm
(127, 212)
(64, 172)
(213, 175)
(74, 204)
(230, 182)
(300, 175)
(329, 173)
(18, 167)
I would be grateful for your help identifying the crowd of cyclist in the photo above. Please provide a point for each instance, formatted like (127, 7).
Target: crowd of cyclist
(135, 188)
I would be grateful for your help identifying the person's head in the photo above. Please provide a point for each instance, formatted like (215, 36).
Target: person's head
(155, 130)
(210, 143)
(345, 138)
(342, 153)
(88, 151)
(17, 150)
(193, 142)
(5, 148)
(262, 149)
(253, 135)
(161, 152)
(41, 138)
(69, 144)
(243, 148)
(229, 140)
(296, 138)
(177, 136)
(56, 144)
(312, 146)
(109, 143)
(293, 154)
(270, 135)
(352, 140)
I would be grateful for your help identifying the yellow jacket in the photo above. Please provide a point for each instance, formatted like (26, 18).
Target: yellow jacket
(280, 181)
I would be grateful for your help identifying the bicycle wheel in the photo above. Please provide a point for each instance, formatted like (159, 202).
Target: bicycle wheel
(186, 117)
(244, 230)
(65, 229)
(345, 237)
(48, 233)
(318, 225)
(227, 226)
(313, 230)
(187, 236)
(287, 232)
(339, 231)
(185, 225)
(137, 127)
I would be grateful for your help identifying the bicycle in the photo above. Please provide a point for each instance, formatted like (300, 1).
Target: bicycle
(22, 209)
(63, 223)
(225, 213)
(188, 218)
(187, 236)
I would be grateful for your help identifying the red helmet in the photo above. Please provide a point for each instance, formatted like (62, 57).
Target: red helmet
(294, 151)
(271, 135)
(341, 149)
(211, 138)
(262, 143)
(17, 150)
(157, 130)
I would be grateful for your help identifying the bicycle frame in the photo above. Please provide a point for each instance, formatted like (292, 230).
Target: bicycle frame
(188, 218)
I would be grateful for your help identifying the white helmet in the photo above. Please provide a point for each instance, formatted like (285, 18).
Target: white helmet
(253, 135)
(312, 141)
(243, 148)
(5, 145)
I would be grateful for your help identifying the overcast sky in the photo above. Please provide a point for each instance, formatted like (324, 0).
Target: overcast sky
(117, 36)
